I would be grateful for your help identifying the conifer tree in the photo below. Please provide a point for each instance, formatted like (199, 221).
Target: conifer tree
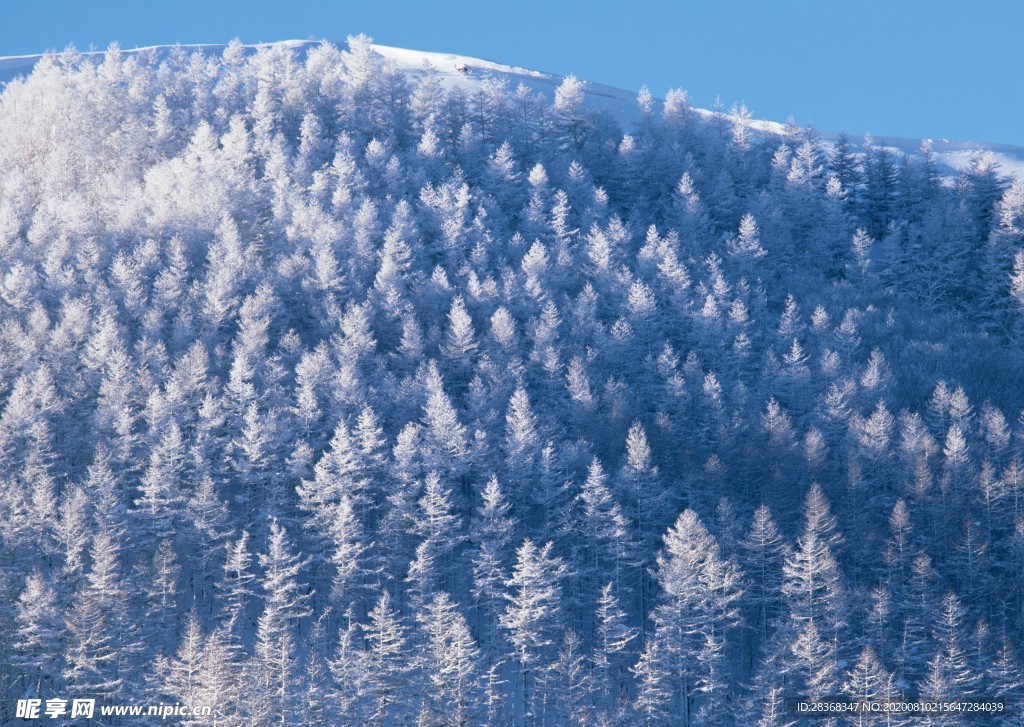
(868, 681)
(276, 673)
(949, 670)
(532, 619)
(183, 679)
(696, 610)
(812, 581)
(101, 636)
(612, 648)
(39, 638)
(390, 668)
(492, 530)
(451, 662)
(763, 554)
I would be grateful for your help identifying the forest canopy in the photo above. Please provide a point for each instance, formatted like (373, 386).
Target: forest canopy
(331, 395)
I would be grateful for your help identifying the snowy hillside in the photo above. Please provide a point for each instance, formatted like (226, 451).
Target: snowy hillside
(953, 156)
(361, 386)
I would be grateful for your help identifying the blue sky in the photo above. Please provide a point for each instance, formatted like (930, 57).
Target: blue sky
(916, 68)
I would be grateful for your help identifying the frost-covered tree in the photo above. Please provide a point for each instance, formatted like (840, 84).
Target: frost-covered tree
(276, 673)
(492, 532)
(532, 619)
(812, 581)
(102, 636)
(696, 610)
(390, 667)
(451, 662)
(39, 638)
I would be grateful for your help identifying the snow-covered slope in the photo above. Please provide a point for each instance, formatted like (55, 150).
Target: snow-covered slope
(952, 155)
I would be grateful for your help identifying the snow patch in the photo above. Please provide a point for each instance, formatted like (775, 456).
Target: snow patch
(952, 156)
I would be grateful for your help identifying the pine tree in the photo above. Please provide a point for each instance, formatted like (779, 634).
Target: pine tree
(451, 662)
(1017, 293)
(105, 493)
(211, 532)
(183, 681)
(236, 585)
(868, 681)
(446, 441)
(655, 687)
(696, 610)
(612, 649)
(276, 675)
(522, 445)
(606, 532)
(162, 595)
(747, 245)
(844, 164)
(532, 619)
(390, 669)
(922, 613)
(74, 530)
(101, 636)
(219, 682)
(351, 671)
(1005, 678)
(763, 554)
(998, 262)
(338, 472)
(39, 638)
(812, 581)
(316, 674)
(493, 529)
(949, 675)
(641, 487)
(899, 551)
(161, 488)
(40, 487)
(572, 683)
(339, 489)
(439, 525)
(880, 187)
(348, 557)
(461, 338)
(812, 662)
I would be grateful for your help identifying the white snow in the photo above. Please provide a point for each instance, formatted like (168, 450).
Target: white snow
(953, 156)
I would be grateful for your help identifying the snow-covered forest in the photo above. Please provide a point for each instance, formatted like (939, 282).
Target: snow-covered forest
(334, 395)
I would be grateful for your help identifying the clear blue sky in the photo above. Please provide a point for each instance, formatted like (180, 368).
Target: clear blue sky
(936, 68)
